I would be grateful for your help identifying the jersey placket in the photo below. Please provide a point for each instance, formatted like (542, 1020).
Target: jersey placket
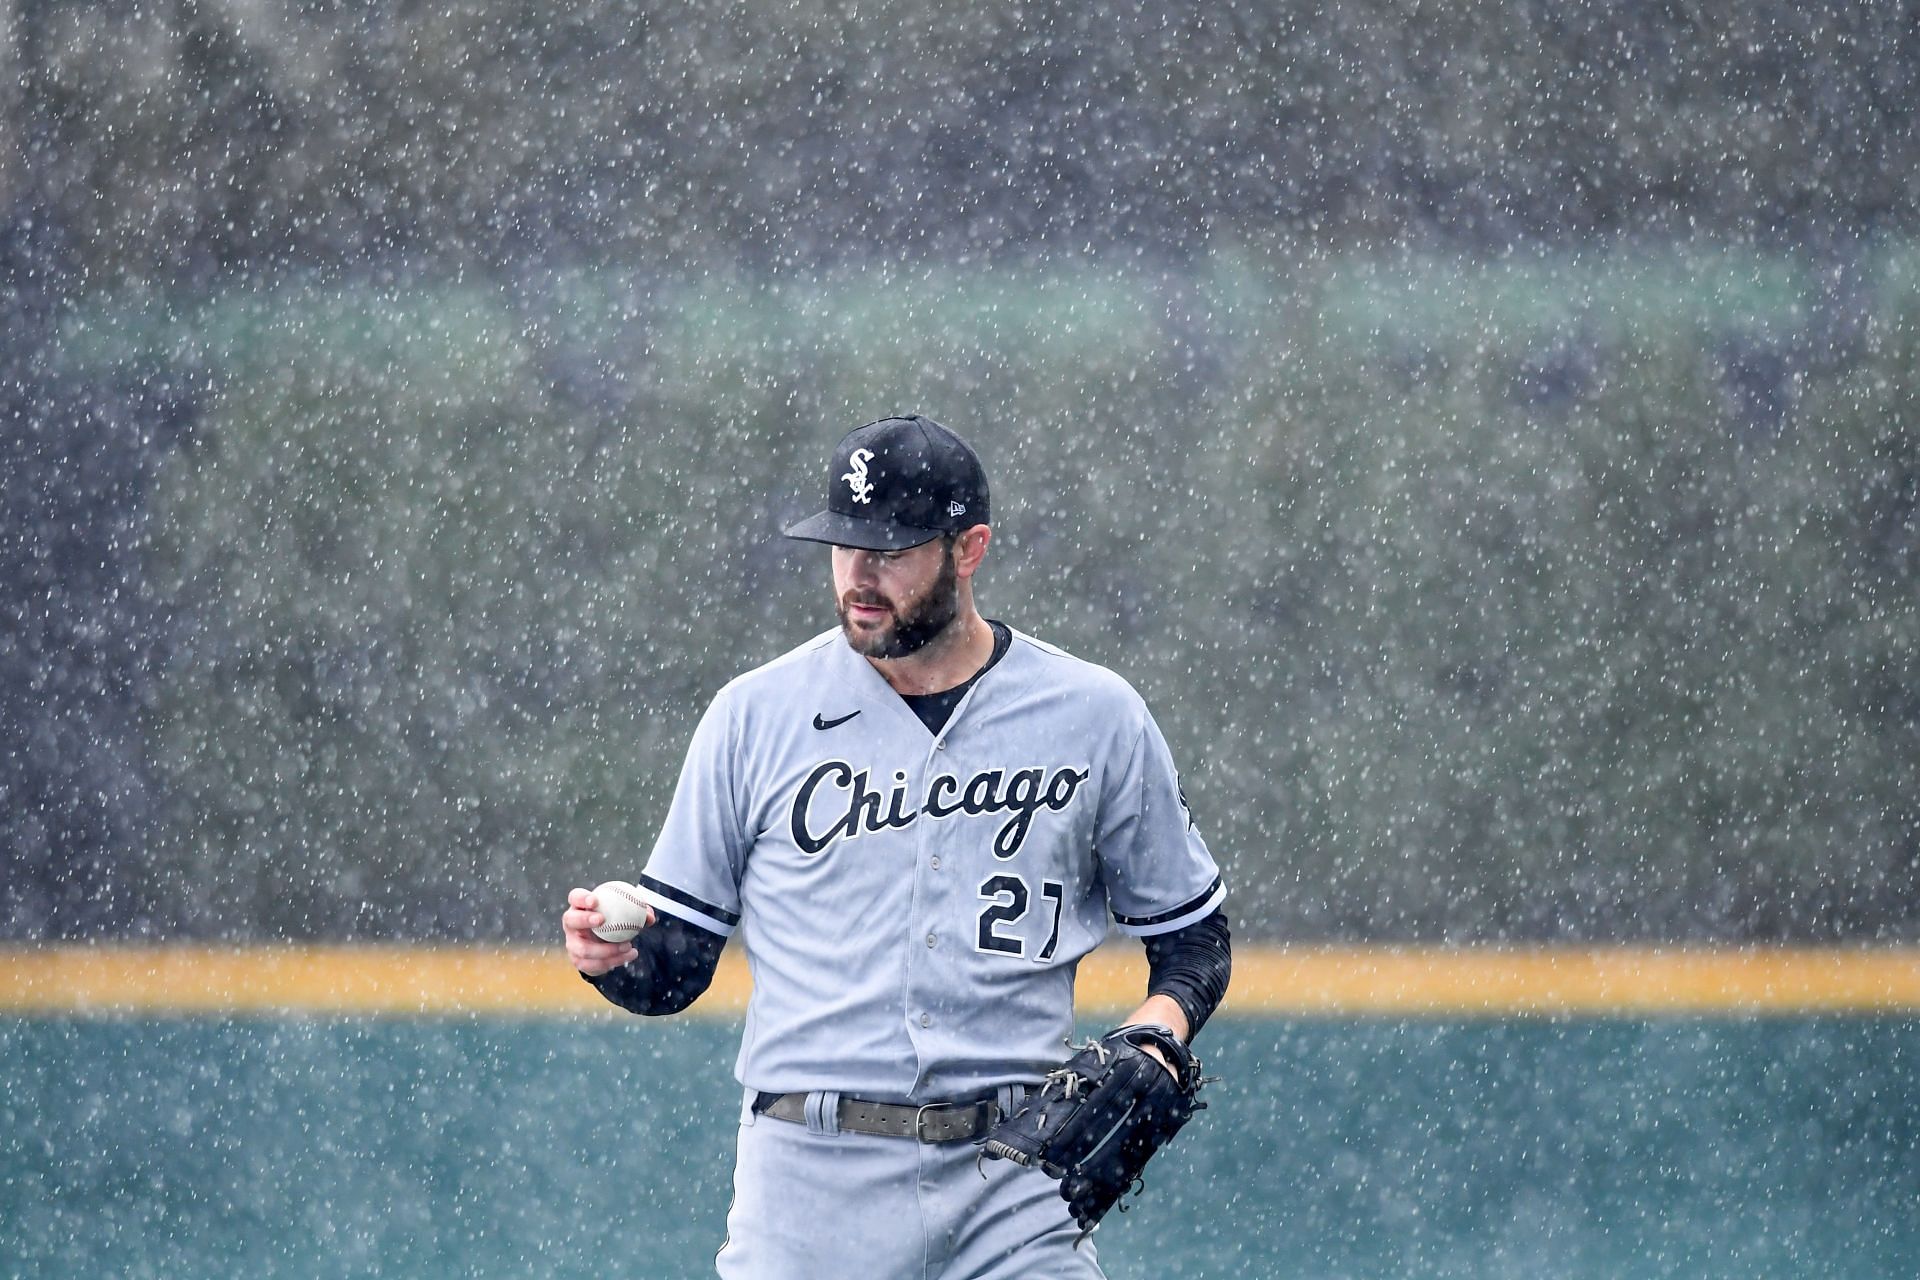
(936, 910)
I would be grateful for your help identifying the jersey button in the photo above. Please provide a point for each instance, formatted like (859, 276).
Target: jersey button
(936, 862)
(926, 1019)
(931, 939)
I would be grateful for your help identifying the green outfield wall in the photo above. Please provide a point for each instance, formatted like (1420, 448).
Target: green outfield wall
(475, 1146)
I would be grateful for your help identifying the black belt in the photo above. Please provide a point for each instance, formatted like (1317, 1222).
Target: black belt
(934, 1122)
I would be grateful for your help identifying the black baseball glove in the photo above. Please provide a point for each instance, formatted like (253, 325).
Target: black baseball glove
(1097, 1120)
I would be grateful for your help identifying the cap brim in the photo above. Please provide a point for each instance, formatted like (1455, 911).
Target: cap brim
(869, 535)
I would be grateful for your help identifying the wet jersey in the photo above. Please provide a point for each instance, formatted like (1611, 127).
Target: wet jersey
(913, 904)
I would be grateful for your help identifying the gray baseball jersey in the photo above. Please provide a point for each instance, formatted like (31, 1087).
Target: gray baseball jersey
(914, 904)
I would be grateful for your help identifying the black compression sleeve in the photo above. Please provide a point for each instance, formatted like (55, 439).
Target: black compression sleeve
(1192, 966)
(675, 965)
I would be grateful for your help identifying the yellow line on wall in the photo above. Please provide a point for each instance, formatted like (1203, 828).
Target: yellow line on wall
(404, 980)
(1591, 981)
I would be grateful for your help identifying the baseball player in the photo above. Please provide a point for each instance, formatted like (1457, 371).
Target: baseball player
(917, 822)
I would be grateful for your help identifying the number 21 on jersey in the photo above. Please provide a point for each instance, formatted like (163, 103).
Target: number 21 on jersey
(1008, 898)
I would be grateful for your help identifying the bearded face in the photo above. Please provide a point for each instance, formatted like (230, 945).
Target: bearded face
(884, 619)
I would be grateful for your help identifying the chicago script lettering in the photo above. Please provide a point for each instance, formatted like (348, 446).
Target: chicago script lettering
(861, 810)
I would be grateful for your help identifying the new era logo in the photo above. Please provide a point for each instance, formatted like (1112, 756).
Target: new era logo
(956, 508)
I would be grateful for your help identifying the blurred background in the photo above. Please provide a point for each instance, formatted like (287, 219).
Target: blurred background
(1487, 434)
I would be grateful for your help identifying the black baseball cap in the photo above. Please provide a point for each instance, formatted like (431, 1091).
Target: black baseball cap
(897, 483)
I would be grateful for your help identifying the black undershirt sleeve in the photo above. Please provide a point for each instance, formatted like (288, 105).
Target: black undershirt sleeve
(676, 963)
(1192, 966)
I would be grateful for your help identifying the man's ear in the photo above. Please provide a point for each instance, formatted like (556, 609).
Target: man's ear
(970, 548)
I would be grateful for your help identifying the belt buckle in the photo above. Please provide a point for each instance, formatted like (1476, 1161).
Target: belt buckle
(988, 1110)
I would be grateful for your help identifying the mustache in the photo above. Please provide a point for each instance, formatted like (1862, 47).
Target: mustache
(871, 598)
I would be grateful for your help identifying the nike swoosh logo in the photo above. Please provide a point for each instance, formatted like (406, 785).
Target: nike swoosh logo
(818, 723)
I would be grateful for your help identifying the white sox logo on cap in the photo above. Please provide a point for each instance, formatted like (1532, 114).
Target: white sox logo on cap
(897, 483)
(857, 478)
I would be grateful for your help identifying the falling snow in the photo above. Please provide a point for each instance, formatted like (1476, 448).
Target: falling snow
(1488, 435)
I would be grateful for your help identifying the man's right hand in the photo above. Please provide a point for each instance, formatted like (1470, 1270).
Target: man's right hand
(591, 955)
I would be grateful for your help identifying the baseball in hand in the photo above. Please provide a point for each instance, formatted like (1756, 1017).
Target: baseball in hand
(626, 913)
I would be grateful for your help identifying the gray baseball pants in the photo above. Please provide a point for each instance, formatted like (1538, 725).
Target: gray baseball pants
(813, 1203)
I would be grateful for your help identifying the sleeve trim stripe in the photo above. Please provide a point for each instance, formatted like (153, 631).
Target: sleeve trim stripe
(680, 911)
(1162, 917)
(683, 904)
(1178, 918)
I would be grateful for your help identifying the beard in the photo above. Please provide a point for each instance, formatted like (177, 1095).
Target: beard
(912, 629)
